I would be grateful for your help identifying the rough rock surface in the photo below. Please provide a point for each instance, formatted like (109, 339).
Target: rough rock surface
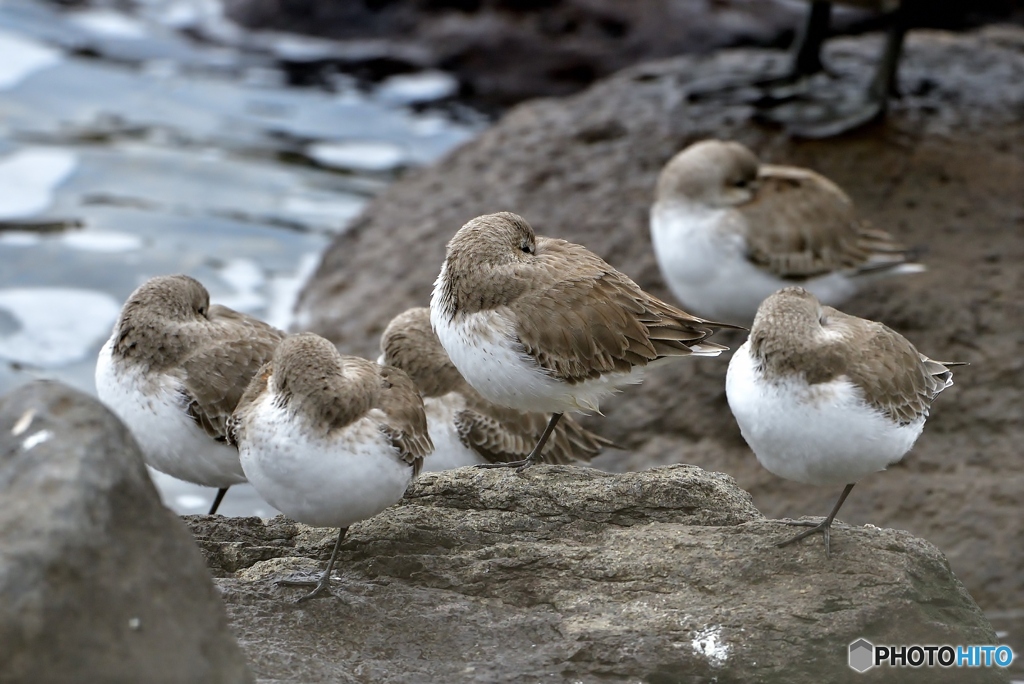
(945, 170)
(98, 581)
(571, 574)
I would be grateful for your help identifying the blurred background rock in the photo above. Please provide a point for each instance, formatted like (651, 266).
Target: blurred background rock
(504, 51)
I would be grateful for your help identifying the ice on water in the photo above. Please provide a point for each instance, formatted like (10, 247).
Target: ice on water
(55, 326)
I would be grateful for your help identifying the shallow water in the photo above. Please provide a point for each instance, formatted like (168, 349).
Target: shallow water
(128, 150)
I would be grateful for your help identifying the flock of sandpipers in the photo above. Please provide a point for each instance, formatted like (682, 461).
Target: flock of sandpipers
(521, 331)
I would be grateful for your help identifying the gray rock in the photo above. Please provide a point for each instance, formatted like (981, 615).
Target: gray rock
(98, 581)
(506, 50)
(945, 171)
(570, 574)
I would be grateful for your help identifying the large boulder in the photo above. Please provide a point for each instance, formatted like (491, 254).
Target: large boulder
(98, 581)
(571, 574)
(945, 170)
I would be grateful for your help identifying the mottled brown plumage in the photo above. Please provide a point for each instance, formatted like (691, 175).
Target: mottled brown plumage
(409, 343)
(496, 433)
(329, 439)
(405, 423)
(796, 223)
(167, 326)
(794, 334)
(800, 224)
(329, 392)
(574, 314)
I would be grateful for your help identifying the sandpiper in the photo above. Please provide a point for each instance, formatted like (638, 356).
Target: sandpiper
(173, 371)
(466, 428)
(826, 398)
(728, 231)
(327, 439)
(539, 324)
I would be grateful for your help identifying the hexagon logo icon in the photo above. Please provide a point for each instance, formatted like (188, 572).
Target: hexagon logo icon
(862, 655)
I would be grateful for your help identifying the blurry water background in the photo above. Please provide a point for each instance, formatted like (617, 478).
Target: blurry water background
(156, 137)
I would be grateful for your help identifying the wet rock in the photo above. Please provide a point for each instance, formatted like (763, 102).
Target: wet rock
(669, 575)
(504, 51)
(98, 581)
(945, 171)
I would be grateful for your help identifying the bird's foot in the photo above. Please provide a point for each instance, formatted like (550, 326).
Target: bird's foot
(825, 527)
(505, 464)
(321, 585)
(520, 466)
(774, 91)
(764, 92)
(761, 92)
(528, 463)
(816, 119)
(322, 590)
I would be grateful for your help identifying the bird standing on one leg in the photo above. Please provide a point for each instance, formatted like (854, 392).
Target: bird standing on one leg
(327, 439)
(466, 428)
(174, 369)
(539, 324)
(826, 398)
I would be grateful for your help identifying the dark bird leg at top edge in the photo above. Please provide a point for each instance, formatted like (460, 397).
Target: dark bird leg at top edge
(806, 56)
(534, 457)
(805, 61)
(824, 119)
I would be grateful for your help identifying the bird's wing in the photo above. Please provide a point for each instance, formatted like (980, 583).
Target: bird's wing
(799, 225)
(582, 319)
(257, 386)
(895, 378)
(406, 423)
(217, 373)
(501, 435)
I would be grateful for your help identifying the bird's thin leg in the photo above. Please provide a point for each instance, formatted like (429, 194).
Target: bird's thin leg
(804, 62)
(323, 585)
(824, 526)
(807, 56)
(217, 499)
(850, 115)
(884, 82)
(806, 59)
(534, 456)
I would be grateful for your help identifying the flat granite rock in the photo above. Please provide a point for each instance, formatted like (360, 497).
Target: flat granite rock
(571, 574)
(945, 171)
(98, 581)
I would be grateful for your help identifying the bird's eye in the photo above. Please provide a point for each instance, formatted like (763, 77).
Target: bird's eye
(526, 247)
(741, 183)
(202, 311)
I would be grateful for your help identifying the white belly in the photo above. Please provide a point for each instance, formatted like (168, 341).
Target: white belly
(705, 265)
(824, 434)
(352, 476)
(155, 412)
(449, 451)
(483, 347)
